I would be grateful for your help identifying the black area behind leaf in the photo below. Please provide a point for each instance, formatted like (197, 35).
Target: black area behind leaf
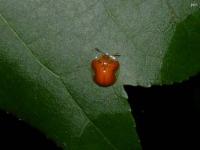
(16, 134)
(172, 114)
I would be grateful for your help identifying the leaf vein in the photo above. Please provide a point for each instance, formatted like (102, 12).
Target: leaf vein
(57, 76)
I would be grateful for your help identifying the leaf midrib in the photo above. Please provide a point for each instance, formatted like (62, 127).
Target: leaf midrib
(56, 76)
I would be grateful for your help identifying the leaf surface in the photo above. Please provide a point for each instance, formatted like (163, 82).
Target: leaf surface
(45, 55)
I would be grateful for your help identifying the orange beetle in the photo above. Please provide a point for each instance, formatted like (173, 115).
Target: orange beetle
(105, 67)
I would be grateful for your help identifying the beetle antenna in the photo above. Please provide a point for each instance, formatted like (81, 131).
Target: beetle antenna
(116, 55)
(98, 50)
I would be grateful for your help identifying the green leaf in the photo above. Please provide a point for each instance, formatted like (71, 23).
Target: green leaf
(183, 56)
(45, 55)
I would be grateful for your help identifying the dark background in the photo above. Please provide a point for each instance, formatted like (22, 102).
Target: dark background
(172, 114)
